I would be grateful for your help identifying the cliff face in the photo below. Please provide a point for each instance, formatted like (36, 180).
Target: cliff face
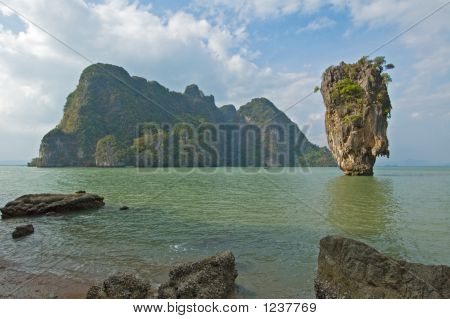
(109, 102)
(101, 117)
(357, 111)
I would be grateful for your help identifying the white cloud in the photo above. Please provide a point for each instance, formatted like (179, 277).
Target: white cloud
(416, 115)
(317, 24)
(315, 116)
(6, 11)
(260, 9)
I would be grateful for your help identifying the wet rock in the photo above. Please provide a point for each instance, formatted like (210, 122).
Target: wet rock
(41, 204)
(124, 208)
(121, 286)
(96, 292)
(22, 231)
(210, 278)
(351, 269)
(357, 111)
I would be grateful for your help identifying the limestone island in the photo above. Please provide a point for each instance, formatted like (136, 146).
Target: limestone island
(357, 112)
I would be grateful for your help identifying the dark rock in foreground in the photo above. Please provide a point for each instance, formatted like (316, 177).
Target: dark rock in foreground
(120, 286)
(351, 269)
(124, 208)
(22, 231)
(210, 278)
(41, 204)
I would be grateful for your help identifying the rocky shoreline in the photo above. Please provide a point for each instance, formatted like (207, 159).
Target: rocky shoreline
(347, 269)
(210, 278)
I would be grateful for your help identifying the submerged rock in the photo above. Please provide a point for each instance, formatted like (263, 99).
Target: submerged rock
(210, 278)
(351, 269)
(121, 286)
(357, 111)
(41, 204)
(22, 231)
(124, 208)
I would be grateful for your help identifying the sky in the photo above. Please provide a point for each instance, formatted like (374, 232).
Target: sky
(233, 49)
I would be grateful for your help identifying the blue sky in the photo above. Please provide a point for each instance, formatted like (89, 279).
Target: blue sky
(235, 50)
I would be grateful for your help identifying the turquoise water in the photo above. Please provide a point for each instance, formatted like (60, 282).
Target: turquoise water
(272, 221)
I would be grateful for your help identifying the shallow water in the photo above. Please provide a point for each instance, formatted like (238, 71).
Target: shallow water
(272, 221)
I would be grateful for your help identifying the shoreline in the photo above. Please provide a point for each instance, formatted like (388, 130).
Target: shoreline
(17, 284)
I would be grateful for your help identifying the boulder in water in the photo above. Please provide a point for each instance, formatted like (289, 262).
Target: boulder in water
(22, 231)
(41, 204)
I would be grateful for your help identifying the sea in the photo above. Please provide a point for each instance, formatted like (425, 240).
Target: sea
(271, 219)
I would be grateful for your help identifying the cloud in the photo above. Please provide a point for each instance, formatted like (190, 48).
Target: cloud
(257, 9)
(416, 115)
(319, 23)
(6, 11)
(315, 116)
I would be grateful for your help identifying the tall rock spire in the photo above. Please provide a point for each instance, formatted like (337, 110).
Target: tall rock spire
(357, 111)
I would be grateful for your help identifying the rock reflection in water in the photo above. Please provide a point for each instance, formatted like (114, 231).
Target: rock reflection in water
(361, 206)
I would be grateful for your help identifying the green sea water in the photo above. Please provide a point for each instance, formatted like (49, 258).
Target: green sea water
(272, 221)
